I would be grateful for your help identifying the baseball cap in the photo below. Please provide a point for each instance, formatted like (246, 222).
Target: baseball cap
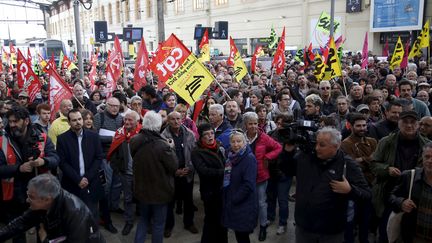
(362, 107)
(411, 114)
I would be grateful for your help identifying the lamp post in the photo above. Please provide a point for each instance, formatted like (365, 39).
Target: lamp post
(78, 39)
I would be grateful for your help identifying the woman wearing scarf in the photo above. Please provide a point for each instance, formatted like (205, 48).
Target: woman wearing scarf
(265, 149)
(209, 161)
(240, 208)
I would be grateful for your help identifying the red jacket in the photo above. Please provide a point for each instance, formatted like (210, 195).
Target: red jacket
(266, 148)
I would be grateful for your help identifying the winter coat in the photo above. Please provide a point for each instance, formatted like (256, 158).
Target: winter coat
(154, 167)
(266, 148)
(383, 158)
(188, 145)
(68, 217)
(210, 168)
(240, 199)
(318, 209)
(223, 133)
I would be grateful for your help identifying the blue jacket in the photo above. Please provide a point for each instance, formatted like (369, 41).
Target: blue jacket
(223, 133)
(240, 199)
(67, 149)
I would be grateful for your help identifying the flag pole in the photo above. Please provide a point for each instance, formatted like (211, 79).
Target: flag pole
(220, 86)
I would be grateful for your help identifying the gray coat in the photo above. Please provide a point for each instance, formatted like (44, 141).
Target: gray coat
(189, 144)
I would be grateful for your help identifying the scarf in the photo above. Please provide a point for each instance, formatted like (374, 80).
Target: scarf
(213, 147)
(233, 159)
(121, 136)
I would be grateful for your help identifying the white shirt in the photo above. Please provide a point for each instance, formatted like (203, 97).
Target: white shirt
(81, 156)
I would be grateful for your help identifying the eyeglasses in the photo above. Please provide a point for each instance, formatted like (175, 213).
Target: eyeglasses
(325, 88)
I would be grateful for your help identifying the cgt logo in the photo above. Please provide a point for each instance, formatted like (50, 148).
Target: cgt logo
(170, 64)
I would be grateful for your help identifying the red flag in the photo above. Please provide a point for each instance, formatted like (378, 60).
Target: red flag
(27, 79)
(168, 58)
(308, 56)
(114, 66)
(258, 50)
(385, 51)
(233, 50)
(50, 65)
(279, 57)
(198, 107)
(12, 48)
(93, 72)
(205, 39)
(58, 91)
(365, 51)
(142, 65)
(29, 56)
(404, 63)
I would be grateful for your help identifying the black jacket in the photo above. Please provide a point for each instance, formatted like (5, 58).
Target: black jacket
(210, 166)
(382, 128)
(400, 193)
(88, 104)
(12, 171)
(319, 209)
(68, 217)
(68, 151)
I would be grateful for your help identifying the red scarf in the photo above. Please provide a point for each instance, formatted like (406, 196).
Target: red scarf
(120, 136)
(212, 146)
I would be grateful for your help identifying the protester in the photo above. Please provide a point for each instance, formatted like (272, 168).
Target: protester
(155, 164)
(208, 158)
(60, 215)
(240, 207)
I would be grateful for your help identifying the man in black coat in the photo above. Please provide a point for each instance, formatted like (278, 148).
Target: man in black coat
(60, 216)
(326, 181)
(80, 101)
(80, 153)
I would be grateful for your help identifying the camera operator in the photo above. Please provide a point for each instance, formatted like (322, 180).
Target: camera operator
(26, 152)
(326, 181)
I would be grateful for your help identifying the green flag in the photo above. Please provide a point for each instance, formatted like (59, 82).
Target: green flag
(273, 41)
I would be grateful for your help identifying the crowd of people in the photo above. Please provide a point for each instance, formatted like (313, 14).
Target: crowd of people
(348, 144)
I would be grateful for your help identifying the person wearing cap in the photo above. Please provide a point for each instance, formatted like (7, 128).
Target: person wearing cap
(373, 79)
(208, 158)
(423, 86)
(23, 99)
(395, 153)
(406, 91)
(423, 95)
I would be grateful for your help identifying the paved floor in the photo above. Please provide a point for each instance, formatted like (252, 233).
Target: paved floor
(179, 235)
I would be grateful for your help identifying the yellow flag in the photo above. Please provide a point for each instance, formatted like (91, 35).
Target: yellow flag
(398, 54)
(425, 36)
(240, 69)
(333, 67)
(415, 50)
(319, 67)
(132, 53)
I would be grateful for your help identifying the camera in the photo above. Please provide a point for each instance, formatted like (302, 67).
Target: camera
(301, 132)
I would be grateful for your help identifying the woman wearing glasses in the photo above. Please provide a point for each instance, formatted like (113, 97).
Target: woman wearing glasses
(240, 208)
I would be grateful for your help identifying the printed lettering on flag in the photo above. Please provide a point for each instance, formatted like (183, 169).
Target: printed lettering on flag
(58, 91)
(183, 72)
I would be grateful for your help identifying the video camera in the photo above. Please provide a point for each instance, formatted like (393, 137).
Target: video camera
(301, 132)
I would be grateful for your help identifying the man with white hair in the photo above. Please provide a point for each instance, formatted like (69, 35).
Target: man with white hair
(155, 164)
(221, 126)
(326, 181)
(121, 162)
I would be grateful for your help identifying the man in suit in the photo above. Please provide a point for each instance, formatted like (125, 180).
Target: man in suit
(80, 153)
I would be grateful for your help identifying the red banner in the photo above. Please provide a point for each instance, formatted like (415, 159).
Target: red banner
(141, 66)
(365, 52)
(171, 54)
(50, 65)
(27, 79)
(58, 91)
(233, 51)
(258, 50)
(29, 56)
(114, 66)
(279, 57)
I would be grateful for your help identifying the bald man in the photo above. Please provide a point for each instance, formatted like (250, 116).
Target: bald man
(61, 124)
